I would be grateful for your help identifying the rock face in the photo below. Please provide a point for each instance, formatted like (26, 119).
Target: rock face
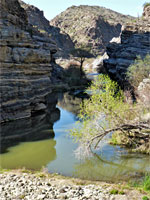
(135, 41)
(90, 26)
(37, 20)
(25, 62)
(144, 91)
(146, 12)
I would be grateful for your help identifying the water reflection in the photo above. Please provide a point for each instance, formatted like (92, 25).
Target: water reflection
(43, 141)
(33, 129)
(100, 167)
(31, 155)
(70, 102)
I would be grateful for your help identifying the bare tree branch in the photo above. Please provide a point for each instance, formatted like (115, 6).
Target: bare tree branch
(124, 127)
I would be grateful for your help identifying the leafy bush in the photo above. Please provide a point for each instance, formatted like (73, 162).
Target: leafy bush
(104, 112)
(139, 70)
(146, 4)
(146, 183)
(145, 198)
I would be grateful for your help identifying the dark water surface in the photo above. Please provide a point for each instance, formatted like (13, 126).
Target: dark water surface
(43, 141)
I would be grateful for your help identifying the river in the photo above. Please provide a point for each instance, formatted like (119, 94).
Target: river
(43, 142)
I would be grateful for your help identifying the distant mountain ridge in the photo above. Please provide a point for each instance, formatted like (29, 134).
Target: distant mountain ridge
(91, 26)
(37, 20)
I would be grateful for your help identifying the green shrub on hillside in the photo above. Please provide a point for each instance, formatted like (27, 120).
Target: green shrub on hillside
(139, 70)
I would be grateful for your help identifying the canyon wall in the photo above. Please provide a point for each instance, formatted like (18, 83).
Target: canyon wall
(90, 26)
(135, 41)
(37, 20)
(25, 64)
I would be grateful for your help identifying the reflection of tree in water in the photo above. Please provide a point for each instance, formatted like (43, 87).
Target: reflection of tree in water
(70, 103)
(98, 168)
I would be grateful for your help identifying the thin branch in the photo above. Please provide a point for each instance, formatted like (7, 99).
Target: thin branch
(124, 127)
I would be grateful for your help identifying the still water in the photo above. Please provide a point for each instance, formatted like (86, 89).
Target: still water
(45, 143)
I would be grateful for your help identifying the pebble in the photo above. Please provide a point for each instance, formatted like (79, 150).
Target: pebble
(28, 187)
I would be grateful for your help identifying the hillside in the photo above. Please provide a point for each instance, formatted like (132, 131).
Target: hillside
(90, 26)
(37, 20)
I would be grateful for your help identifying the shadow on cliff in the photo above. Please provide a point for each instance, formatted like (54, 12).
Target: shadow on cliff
(69, 78)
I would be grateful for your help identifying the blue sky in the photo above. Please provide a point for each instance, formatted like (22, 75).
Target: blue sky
(52, 8)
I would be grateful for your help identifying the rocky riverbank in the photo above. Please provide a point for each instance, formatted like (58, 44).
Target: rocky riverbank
(17, 185)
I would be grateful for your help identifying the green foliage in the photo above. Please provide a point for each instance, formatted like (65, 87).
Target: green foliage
(105, 109)
(81, 52)
(114, 191)
(145, 198)
(146, 4)
(144, 184)
(139, 70)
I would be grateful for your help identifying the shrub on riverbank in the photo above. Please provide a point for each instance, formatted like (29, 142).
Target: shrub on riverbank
(139, 71)
(105, 112)
(143, 185)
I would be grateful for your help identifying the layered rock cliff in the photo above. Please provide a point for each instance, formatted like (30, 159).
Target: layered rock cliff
(37, 20)
(25, 62)
(135, 41)
(90, 26)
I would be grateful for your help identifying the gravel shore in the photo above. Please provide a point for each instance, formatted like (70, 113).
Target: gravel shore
(38, 186)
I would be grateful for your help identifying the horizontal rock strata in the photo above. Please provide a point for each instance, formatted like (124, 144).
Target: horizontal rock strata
(25, 62)
(135, 41)
(37, 20)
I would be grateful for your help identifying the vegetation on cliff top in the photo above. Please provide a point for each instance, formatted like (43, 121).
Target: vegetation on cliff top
(146, 4)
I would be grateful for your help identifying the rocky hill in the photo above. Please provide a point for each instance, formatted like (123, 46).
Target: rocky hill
(90, 26)
(134, 41)
(25, 65)
(37, 20)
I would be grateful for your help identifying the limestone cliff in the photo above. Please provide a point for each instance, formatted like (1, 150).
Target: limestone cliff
(25, 62)
(135, 41)
(37, 20)
(144, 91)
(90, 26)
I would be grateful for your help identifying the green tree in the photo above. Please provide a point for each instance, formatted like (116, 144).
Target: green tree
(139, 70)
(80, 54)
(106, 112)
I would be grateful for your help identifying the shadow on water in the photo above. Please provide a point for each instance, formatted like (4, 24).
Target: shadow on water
(42, 141)
(33, 129)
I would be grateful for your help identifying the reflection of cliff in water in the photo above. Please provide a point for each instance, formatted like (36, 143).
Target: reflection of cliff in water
(70, 102)
(31, 155)
(36, 128)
